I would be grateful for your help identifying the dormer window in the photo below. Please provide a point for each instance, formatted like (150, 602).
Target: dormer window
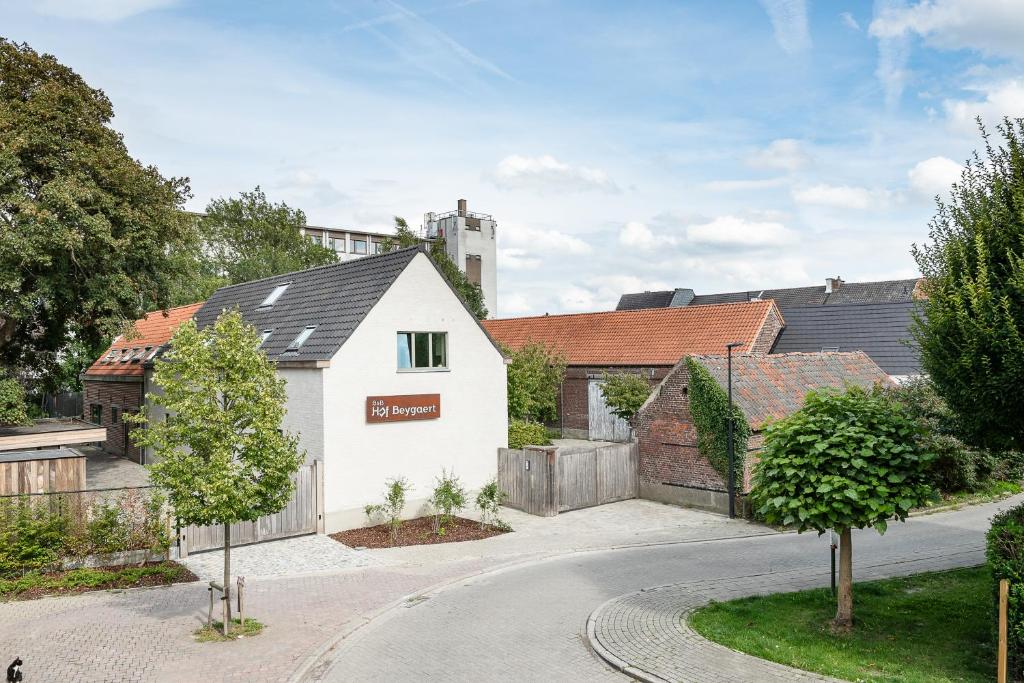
(264, 336)
(274, 295)
(301, 339)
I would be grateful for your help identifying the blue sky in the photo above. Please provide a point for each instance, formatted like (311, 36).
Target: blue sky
(621, 146)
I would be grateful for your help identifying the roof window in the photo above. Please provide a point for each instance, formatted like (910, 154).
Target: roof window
(301, 339)
(264, 336)
(126, 356)
(274, 295)
(111, 356)
(152, 353)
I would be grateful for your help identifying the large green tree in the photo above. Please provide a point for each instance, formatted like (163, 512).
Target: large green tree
(86, 231)
(222, 456)
(844, 461)
(245, 238)
(535, 376)
(470, 293)
(971, 332)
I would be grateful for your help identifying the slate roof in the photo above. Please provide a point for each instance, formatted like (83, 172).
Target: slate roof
(774, 386)
(335, 298)
(656, 336)
(883, 291)
(152, 331)
(880, 330)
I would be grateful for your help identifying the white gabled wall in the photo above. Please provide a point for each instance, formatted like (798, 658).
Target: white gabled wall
(305, 406)
(359, 457)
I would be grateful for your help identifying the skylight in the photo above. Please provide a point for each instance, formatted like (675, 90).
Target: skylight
(152, 354)
(264, 336)
(274, 295)
(301, 339)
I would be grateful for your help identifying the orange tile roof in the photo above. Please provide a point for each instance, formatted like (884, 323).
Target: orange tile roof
(152, 331)
(654, 336)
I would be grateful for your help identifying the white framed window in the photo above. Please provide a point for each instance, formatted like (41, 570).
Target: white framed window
(358, 246)
(420, 351)
(301, 338)
(336, 244)
(274, 295)
(264, 336)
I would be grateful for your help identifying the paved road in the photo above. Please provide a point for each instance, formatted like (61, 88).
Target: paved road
(528, 623)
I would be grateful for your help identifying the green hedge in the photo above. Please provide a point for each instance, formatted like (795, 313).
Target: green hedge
(1004, 550)
(522, 433)
(709, 406)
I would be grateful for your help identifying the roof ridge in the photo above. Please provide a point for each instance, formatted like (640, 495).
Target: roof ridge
(636, 311)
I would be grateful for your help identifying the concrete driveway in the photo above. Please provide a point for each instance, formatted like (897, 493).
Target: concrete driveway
(107, 471)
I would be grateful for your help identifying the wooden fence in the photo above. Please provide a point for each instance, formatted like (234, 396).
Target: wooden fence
(304, 514)
(42, 471)
(547, 480)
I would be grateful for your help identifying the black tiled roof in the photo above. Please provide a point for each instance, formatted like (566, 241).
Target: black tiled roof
(632, 302)
(884, 291)
(335, 298)
(879, 330)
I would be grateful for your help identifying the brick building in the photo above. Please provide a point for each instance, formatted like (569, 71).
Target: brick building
(649, 342)
(765, 387)
(118, 381)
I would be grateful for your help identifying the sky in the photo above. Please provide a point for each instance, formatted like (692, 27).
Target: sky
(621, 146)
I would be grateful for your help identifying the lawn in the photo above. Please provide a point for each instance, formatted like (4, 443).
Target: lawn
(929, 627)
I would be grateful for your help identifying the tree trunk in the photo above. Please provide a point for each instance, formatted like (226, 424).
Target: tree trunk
(227, 578)
(844, 596)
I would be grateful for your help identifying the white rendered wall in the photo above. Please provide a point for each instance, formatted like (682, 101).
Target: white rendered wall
(305, 406)
(359, 457)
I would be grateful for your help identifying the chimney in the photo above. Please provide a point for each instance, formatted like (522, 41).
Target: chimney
(832, 284)
(462, 207)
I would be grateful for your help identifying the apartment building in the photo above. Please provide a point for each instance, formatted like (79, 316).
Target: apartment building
(469, 240)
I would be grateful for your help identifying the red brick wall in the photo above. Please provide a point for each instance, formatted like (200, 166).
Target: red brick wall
(126, 397)
(573, 407)
(769, 332)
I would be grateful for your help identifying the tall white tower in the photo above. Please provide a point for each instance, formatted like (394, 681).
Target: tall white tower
(470, 242)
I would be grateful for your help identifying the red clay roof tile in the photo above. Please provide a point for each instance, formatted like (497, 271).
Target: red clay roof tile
(152, 331)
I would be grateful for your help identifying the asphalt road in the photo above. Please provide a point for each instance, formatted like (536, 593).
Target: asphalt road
(528, 623)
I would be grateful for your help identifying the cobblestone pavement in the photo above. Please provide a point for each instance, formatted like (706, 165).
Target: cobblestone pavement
(105, 470)
(530, 622)
(145, 634)
(287, 557)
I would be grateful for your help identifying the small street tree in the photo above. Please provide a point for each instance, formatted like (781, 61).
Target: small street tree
(534, 378)
(625, 393)
(971, 334)
(222, 457)
(844, 461)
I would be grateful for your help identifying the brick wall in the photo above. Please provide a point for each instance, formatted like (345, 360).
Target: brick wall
(573, 404)
(126, 397)
(769, 332)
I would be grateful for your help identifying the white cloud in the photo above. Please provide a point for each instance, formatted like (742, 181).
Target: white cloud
(517, 259)
(744, 185)
(98, 10)
(786, 154)
(514, 303)
(934, 176)
(637, 235)
(1001, 99)
(789, 21)
(991, 26)
(547, 174)
(893, 54)
(849, 21)
(307, 185)
(538, 239)
(735, 231)
(575, 298)
(841, 196)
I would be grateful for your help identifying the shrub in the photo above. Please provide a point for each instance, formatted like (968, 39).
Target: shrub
(625, 393)
(709, 405)
(390, 510)
(448, 498)
(1004, 551)
(488, 502)
(534, 379)
(522, 433)
(12, 402)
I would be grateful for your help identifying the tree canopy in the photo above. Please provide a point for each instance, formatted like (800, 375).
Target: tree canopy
(624, 393)
(971, 333)
(534, 380)
(844, 461)
(86, 231)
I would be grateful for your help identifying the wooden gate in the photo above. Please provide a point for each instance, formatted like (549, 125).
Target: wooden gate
(603, 425)
(302, 515)
(546, 481)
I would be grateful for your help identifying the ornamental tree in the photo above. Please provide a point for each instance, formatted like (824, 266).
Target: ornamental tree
(221, 456)
(624, 393)
(534, 379)
(844, 461)
(971, 333)
(87, 233)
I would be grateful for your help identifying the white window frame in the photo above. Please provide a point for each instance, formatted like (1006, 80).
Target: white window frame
(430, 351)
(300, 339)
(276, 293)
(264, 336)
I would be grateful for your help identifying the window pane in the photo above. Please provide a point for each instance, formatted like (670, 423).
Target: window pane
(439, 350)
(358, 246)
(404, 350)
(422, 341)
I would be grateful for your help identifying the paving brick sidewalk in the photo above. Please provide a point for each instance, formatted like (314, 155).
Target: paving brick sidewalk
(645, 634)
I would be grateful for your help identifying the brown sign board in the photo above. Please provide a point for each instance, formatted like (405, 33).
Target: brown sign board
(403, 408)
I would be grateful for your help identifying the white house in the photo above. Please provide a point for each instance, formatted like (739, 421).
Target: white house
(389, 375)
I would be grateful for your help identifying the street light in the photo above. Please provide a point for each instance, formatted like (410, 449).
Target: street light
(729, 449)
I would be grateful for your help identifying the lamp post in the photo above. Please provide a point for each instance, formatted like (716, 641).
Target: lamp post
(729, 448)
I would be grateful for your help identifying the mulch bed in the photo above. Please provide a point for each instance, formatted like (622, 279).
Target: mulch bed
(175, 573)
(417, 531)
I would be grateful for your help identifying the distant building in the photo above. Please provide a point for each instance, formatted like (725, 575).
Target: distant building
(469, 240)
